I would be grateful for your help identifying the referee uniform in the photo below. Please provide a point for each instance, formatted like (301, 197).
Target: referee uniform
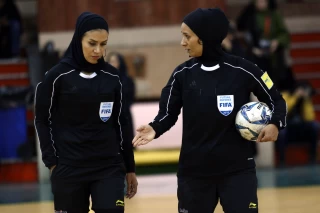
(82, 129)
(215, 161)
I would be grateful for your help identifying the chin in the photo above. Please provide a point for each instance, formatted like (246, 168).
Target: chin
(93, 62)
(192, 55)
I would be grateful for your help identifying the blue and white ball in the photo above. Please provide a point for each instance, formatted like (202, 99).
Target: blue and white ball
(251, 119)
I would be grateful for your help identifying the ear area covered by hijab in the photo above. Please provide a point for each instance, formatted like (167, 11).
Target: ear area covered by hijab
(74, 56)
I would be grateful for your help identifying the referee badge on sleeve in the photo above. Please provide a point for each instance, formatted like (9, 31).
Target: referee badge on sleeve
(105, 110)
(267, 80)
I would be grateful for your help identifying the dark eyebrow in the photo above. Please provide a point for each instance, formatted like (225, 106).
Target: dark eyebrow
(96, 41)
(184, 33)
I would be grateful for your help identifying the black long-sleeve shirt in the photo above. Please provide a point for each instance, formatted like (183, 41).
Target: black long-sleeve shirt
(211, 145)
(80, 119)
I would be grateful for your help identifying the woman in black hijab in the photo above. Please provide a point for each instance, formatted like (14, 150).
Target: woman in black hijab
(82, 127)
(216, 163)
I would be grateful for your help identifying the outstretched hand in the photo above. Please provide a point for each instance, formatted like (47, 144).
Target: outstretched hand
(145, 134)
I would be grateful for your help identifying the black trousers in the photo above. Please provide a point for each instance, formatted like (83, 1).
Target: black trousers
(72, 187)
(237, 193)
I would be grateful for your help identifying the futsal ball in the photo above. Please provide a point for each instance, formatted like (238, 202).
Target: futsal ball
(251, 119)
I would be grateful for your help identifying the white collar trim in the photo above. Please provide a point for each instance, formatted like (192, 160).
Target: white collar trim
(92, 75)
(210, 68)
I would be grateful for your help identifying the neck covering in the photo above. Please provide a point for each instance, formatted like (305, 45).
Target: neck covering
(74, 55)
(211, 26)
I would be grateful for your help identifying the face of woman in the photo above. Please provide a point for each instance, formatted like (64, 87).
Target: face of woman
(114, 61)
(94, 45)
(190, 41)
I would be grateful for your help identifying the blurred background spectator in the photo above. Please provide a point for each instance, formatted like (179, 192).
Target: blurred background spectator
(232, 44)
(117, 60)
(10, 29)
(266, 36)
(302, 126)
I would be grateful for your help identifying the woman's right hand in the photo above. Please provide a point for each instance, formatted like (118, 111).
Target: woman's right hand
(145, 135)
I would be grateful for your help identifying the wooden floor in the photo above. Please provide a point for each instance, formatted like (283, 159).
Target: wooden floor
(271, 200)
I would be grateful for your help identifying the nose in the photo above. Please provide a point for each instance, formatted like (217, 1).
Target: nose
(183, 42)
(97, 49)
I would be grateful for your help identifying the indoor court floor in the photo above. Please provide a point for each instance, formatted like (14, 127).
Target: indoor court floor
(289, 190)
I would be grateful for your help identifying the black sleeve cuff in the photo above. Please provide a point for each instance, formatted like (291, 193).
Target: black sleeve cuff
(50, 161)
(276, 123)
(156, 128)
(129, 162)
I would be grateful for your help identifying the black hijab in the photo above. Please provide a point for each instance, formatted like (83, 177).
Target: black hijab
(211, 26)
(74, 56)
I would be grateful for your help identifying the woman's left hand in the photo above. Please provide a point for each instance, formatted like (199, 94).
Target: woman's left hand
(268, 134)
(132, 185)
